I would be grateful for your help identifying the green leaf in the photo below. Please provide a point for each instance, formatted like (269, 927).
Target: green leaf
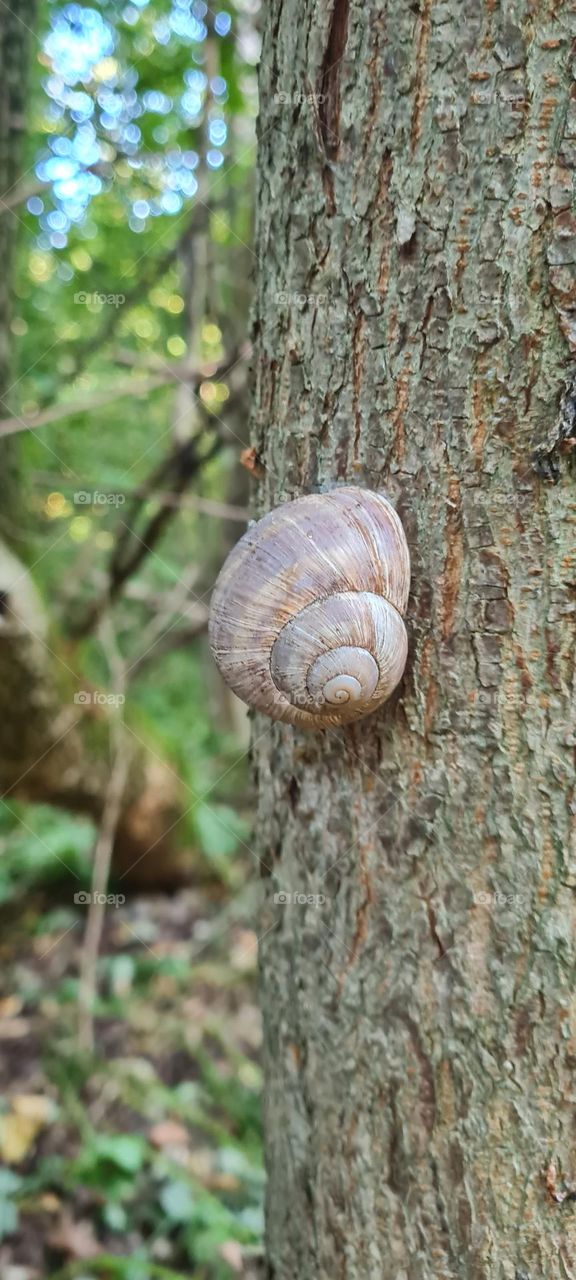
(219, 829)
(9, 1182)
(115, 1217)
(8, 1218)
(126, 1151)
(122, 969)
(176, 1201)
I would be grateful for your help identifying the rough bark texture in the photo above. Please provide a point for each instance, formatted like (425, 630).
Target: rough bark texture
(417, 254)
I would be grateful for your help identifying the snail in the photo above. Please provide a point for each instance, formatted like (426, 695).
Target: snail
(306, 616)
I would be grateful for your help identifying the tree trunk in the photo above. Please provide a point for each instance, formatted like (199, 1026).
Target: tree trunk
(55, 741)
(416, 303)
(16, 23)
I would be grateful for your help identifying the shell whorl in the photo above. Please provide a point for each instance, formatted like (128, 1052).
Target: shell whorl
(306, 617)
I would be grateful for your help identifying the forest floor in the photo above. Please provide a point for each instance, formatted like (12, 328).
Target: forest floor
(142, 1159)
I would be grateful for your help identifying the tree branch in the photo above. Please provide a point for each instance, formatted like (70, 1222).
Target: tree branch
(103, 854)
(186, 502)
(174, 371)
(175, 472)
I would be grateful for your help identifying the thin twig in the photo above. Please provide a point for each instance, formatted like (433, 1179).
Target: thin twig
(19, 195)
(128, 387)
(173, 603)
(222, 510)
(103, 848)
(131, 548)
(180, 638)
(186, 502)
(193, 285)
(175, 371)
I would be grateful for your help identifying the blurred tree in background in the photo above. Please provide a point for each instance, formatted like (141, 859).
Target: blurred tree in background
(126, 217)
(130, 359)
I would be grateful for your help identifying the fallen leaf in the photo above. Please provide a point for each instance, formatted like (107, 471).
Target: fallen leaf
(76, 1239)
(33, 1106)
(10, 1006)
(201, 1163)
(16, 1138)
(231, 1253)
(49, 1203)
(29, 1114)
(168, 1133)
(222, 1182)
(14, 1028)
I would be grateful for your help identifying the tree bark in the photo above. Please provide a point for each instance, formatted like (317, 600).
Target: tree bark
(416, 305)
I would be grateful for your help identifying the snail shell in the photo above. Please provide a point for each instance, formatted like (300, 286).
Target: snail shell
(306, 616)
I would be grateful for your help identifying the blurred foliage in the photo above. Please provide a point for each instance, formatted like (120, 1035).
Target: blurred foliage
(148, 1152)
(41, 846)
(141, 129)
(135, 213)
(133, 256)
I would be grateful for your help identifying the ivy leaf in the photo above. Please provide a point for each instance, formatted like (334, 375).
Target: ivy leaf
(176, 1201)
(8, 1218)
(126, 1151)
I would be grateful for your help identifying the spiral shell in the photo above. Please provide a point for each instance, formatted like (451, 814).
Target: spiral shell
(306, 616)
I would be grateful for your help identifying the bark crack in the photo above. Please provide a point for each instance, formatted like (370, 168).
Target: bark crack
(330, 99)
(420, 94)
